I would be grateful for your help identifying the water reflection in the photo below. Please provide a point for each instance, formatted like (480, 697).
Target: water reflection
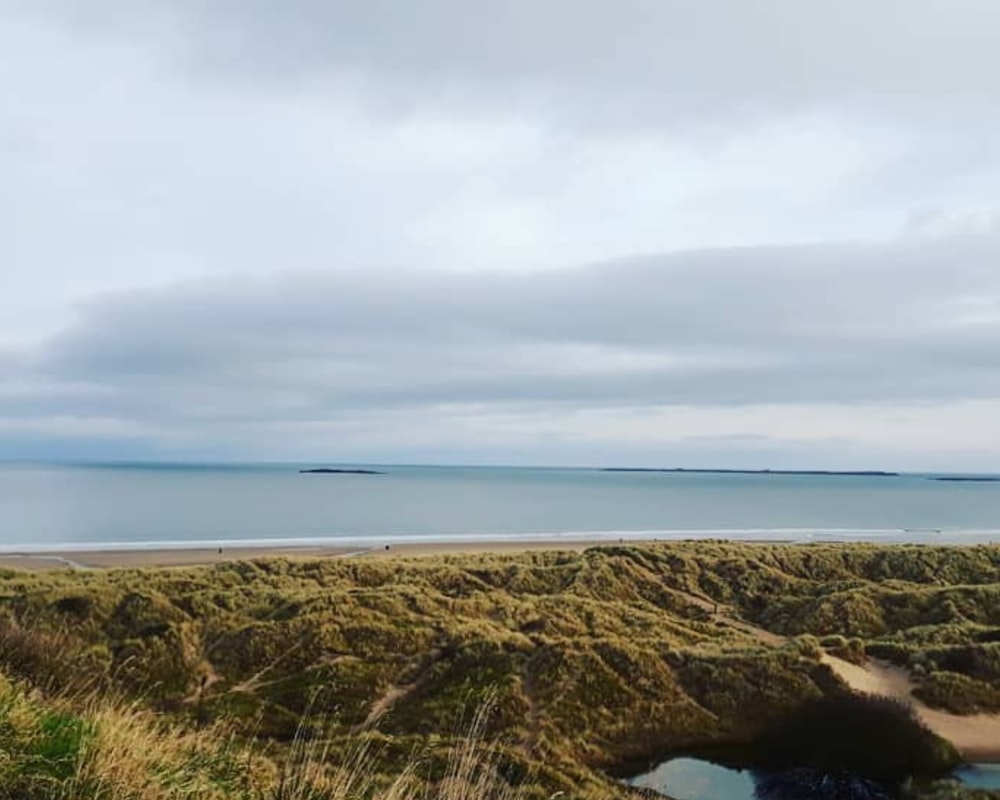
(695, 779)
(980, 776)
(808, 784)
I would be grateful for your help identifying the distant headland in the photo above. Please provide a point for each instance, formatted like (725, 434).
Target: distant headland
(337, 471)
(857, 473)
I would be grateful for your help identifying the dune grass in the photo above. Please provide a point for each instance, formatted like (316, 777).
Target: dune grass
(586, 661)
(88, 748)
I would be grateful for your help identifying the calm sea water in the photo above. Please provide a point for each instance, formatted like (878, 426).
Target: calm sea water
(695, 779)
(98, 505)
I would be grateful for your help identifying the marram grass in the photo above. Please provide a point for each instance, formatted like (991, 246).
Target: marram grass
(360, 678)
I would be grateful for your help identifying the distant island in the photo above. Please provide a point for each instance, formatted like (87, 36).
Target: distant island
(332, 471)
(967, 478)
(858, 473)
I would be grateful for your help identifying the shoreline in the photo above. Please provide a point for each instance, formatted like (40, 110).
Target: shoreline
(167, 553)
(205, 556)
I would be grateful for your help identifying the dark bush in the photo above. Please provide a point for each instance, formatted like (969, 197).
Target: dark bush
(39, 657)
(874, 738)
(75, 605)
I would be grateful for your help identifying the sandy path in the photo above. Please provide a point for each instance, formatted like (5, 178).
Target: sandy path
(976, 737)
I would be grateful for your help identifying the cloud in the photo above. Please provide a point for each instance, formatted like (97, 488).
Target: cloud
(144, 143)
(930, 223)
(435, 357)
(649, 59)
(390, 229)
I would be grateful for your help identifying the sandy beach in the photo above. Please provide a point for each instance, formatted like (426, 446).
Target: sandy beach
(186, 557)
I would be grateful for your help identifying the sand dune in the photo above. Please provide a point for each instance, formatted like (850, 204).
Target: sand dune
(976, 737)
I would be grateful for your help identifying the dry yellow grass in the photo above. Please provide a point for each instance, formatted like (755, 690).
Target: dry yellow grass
(91, 749)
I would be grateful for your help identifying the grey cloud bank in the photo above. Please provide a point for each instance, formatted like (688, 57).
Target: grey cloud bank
(349, 363)
(388, 231)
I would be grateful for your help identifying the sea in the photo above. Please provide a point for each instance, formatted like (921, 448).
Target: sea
(135, 505)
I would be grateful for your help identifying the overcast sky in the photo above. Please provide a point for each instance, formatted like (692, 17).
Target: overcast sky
(711, 233)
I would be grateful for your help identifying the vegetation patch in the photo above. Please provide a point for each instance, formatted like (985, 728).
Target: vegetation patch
(587, 660)
(855, 736)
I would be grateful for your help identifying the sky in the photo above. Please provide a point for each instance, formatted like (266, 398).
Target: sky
(578, 232)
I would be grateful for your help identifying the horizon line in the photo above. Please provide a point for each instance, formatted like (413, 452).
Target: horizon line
(613, 467)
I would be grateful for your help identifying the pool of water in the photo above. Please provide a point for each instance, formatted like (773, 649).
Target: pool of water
(980, 776)
(697, 779)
